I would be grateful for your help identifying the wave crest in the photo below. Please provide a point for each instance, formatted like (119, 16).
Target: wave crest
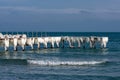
(70, 63)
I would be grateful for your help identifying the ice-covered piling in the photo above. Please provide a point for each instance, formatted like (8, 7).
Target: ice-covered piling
(22, 40)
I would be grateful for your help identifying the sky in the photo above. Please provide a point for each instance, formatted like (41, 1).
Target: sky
(60, 15)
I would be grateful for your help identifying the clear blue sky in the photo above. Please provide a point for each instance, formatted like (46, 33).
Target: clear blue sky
(60, 15)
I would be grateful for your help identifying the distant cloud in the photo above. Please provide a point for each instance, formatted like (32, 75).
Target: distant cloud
(42, 11)
(55, 11)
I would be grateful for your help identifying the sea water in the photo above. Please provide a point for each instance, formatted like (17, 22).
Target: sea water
(63, 63)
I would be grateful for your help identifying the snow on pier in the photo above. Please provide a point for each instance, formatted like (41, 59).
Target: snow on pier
(23, 40)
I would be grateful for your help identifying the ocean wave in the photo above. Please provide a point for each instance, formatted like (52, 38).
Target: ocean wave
(13, 61)
(64, 63)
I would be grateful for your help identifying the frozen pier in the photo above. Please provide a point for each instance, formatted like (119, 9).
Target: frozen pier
(23, 40)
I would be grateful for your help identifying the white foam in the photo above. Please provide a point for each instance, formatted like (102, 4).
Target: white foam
(57, 63)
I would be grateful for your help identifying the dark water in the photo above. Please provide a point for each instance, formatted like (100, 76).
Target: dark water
(63, 64)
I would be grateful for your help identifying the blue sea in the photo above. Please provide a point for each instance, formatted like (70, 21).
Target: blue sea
(63, 63)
